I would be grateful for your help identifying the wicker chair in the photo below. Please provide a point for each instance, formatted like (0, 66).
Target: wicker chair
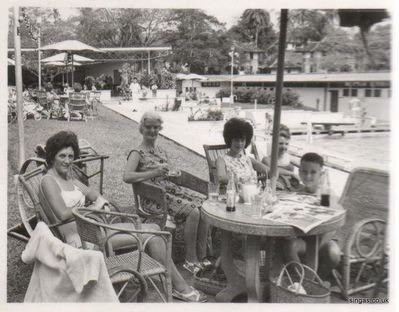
(78, 104)
(363, 263)
(101, 227)
(28, 184)
(145, 190)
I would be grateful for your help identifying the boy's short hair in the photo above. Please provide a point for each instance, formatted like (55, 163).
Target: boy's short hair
(313, 157)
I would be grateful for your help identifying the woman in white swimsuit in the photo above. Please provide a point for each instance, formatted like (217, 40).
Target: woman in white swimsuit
(63, 192)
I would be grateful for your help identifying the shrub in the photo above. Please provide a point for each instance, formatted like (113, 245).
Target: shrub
(223, 93)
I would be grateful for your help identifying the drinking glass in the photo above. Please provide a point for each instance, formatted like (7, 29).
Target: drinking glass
(213, 191)
(256, 202)
(173, 169)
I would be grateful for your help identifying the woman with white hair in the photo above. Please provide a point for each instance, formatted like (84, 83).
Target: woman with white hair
(149, 162)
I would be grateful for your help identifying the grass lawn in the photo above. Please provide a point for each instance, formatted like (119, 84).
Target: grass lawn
(110, 134)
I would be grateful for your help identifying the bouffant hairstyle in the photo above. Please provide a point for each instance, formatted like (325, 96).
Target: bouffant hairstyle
(59, 141)
(150, 115)
(237, 128)
(314, 158)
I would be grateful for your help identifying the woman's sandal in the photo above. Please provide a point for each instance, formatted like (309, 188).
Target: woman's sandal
(191, 266)
(193, 296)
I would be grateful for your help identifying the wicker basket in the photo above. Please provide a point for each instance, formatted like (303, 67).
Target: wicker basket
(316, 292)
(210, 280)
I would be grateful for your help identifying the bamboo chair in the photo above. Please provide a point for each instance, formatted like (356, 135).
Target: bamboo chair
(101, 227)
(365, 196)
(213, 152)
(78, 105)
(157, 194)
(27, 188)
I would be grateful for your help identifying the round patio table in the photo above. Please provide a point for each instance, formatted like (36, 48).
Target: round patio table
(238, 222)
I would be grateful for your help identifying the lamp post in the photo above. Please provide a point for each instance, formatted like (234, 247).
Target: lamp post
(232, 54)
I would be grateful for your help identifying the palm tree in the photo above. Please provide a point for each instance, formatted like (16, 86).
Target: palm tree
(256, 19)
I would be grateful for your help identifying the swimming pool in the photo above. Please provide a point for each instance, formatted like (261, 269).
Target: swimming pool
(358, 149)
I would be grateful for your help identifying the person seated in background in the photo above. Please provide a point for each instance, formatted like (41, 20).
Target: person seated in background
(237, 134)
(63, 193)
(287, 179)
(149, 162)
(295, 249)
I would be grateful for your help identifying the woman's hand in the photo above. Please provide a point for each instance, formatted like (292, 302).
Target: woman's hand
(162, 169)
(100, 203)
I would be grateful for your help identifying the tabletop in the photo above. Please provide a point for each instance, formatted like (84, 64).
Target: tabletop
(238, 222)
(329, 123)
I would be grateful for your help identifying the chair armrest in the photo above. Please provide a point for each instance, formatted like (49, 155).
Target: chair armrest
(192, 182)
(154, 193)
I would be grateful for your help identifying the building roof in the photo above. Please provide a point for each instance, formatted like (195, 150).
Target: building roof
(311, 77)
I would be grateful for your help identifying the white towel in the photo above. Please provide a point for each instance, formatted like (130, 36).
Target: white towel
(63, 273)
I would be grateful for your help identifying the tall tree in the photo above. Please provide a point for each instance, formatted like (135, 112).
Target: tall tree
(254, 26)
(256, 20)
(308, 25)
(197, 39)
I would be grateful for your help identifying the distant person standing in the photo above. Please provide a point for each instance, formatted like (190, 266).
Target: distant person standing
(135, 88)
(154, 89)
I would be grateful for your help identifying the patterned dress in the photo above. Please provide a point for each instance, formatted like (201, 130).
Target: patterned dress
(181, 200)
(241, 167)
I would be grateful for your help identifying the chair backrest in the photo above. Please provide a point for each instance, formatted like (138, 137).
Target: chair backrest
(29, 204)
(366, 195)
(42, 98)
(212, 153)
(77, 100)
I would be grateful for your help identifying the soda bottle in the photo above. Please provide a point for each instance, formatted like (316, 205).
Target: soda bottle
(267, 197)
(231, 194)
(325, 190)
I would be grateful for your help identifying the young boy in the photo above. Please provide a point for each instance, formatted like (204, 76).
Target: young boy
(310, 173)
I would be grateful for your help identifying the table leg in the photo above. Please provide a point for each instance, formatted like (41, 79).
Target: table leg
(252, 268)
(235, 282)
(312, 252)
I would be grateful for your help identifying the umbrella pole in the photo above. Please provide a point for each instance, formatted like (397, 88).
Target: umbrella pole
(18, 84)
(279, 89)
(72, 69)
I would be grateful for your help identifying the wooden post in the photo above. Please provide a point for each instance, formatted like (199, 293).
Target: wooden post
(149, 62)
(18, 83)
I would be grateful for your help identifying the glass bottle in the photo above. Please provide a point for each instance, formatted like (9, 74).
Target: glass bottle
(231, 194)
(267, 197)
(325, 190)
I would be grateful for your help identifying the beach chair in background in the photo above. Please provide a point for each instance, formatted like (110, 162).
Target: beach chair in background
(101, 227)
(147, 191)
(364, 249)
(78, 105)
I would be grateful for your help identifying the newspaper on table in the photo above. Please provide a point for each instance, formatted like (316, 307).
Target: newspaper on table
(302, 211)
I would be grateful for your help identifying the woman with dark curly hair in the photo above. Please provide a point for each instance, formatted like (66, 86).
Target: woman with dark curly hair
(237, 134)
(63, 192)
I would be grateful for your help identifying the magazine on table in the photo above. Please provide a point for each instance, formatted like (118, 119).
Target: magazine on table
(302, 211)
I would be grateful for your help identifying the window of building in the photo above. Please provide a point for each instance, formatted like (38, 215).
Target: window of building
(210, 84)
(349, 92)
(251, 55)
(373, 93)
(377, 92)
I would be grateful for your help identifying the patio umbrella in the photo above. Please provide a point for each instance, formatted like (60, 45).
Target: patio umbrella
(61, 64)
(279, 89)
(61, 57)
(191, 77)
(70, 47)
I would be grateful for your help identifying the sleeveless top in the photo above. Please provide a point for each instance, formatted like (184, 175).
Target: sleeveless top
(73, 198)
(241, 167)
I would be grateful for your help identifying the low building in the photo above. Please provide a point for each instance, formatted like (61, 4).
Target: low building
(325, 92)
